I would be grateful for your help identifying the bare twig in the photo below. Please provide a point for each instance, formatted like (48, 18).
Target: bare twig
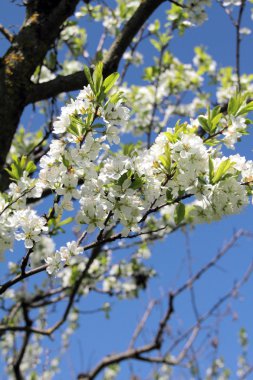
(189, 259)
(212, 263)
(6, 33)
(142, 323)
(134, 353)
(238, 43)
(21, 277)
(77, 80)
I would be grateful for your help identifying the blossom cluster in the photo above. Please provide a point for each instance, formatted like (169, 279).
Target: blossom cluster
(112, 20)
(122, 189)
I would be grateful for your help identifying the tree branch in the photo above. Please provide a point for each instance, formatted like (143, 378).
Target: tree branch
(238, 44)
(134, 353)
(28, 49)
(16, 365)
(6, 33)
(77, 80)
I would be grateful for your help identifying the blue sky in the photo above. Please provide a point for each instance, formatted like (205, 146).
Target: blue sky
(98, 336)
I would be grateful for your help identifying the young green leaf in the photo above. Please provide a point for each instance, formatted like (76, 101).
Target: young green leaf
(211, 169)
(98, 77)
(222, 170)
(179, 213)
(109, 82)
(88, 77)
(204, 123)
(30, 167)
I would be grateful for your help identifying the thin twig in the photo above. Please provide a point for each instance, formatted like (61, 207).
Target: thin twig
(142, 323)
(238, 43)
(6, 33)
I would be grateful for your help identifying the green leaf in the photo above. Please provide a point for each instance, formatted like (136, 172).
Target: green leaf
(33, 376)
(30, 167)
(238, 105)
(204, 123)
(13, 173)
(179, 213)
(211, 169)
(233, 105)
(77, 126)
(128, 149)
(212, 142)
(171, 137)
(65, 162)
(243, 336)
(149, 73)
(98, 77)
(116, 97)
(20, 165)
(209, 123)
(169, 195)
(222, 170)
(88, 77)
(215, 121)
(215, 111)
(122, 179)
(66, 221)
(137, 183)
(109, 82)
(156, 44)
(22, 162)
(244, 110)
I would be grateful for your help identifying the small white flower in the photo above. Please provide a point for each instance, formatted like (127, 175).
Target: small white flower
(245, 31)
(54, 263)
(69, 251)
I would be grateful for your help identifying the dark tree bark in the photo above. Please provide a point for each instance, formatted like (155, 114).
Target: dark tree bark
(28, 49)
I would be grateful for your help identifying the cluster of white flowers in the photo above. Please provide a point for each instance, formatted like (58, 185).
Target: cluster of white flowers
(28, 226)
(204, 61)
(111, 20)
(110, 192)
(32, 358)
(70, 31)
(172, 81)
(229, 83)
(56, 259)
(134, 58)
(125, 279)
(70, 67)
(193, 14)
(233, 130)
(196, 11)
(18, 222)
(179, 77)
(121, 189)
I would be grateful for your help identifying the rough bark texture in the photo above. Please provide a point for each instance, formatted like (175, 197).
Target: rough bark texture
(28, 48)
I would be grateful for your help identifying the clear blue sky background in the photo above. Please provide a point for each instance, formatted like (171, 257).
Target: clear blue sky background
(98, 336)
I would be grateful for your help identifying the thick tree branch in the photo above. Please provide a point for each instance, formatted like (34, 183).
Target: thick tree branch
(61, 83)
(28, 49)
